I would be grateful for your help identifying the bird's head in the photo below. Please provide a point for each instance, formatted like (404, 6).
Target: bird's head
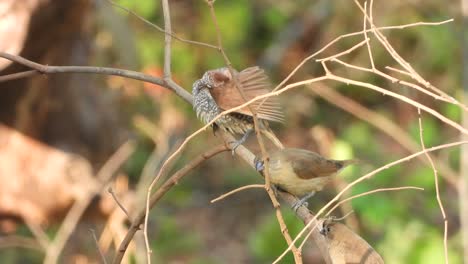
(216, 78)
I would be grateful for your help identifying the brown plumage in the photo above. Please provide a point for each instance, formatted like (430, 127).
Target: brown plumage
(216, 92)
(253, 82)
(301, 172)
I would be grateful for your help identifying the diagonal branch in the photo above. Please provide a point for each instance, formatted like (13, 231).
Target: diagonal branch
(173, 180)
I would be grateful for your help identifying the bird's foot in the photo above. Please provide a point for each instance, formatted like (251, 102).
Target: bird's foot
(298, 204)
(259, 165)
(237, 143)
(302, 201)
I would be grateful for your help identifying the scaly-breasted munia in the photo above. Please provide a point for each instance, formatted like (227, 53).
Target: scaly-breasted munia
(216, 92)
(301, 172)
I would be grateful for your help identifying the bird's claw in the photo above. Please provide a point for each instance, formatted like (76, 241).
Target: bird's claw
(259, 166)
(234, 146)
(298, 204)
(302, 201)
(241, 141)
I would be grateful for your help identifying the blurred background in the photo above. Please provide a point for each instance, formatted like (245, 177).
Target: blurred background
(57, 131)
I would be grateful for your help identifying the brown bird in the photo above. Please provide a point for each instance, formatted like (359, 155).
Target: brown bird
(301, 172)
(216, 92)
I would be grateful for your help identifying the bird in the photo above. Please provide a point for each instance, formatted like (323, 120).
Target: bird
(216, 92)
(301, 172)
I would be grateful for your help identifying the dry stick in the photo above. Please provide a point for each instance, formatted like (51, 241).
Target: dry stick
(38, 233)
(111, 191)
(436, 183)
(271, 194)
(393, 80)
(411, 72)
(103, 258)
(18, 75)
(71, 220)
(429, 110)
(170, 33)
(173, 180)
(350, 35)
(362, 43)
(380, 122)
(167, 76)
(369, 50)
(252, 186)
(383, 40)
(398, 70)
(365, 177)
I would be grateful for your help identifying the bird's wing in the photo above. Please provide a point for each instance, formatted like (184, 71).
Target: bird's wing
(308, 165)
(254, 82)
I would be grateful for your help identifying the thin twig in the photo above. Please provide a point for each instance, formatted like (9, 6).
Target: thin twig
(103, 258)
(402, 98)
(383, 40)
(371, 192)
(351, 35)
(172, 34)
(18, 75)
(366, 38)
(38, 233)
(436, 183)
(167, 76)
(348, 51)
(252, 186)
(111, 191)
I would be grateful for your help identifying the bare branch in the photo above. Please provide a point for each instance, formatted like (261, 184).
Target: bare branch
(45, 69)
(158, 28)
(173, 180)
(111, 191)
(436, 183)
(252, 186)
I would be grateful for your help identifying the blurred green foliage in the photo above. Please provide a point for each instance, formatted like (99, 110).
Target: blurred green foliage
(267, 242)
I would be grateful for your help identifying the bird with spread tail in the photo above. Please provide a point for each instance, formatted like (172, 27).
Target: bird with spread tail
(301, 172)
(216, 92)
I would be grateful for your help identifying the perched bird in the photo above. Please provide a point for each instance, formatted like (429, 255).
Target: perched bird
(301, 172)
(216, 92)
